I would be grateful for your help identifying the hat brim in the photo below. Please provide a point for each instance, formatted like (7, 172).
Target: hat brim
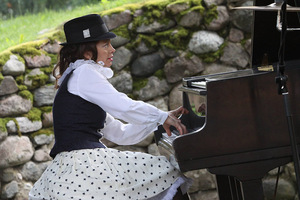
(108, 35)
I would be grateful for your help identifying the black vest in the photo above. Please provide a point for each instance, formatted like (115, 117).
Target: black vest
(76, 121)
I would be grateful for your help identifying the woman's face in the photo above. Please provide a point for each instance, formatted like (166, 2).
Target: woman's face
(105, 52)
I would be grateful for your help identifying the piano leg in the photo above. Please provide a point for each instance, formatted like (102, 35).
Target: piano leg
(248, 176)
(252, 189)
(229, 188)
(236, 190)
(223, 187)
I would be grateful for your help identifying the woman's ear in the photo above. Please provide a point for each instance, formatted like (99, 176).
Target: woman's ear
(88, 55)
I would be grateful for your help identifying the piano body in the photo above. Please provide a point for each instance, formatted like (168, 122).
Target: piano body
(244, 131)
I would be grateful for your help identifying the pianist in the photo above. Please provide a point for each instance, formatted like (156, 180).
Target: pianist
(83, 111)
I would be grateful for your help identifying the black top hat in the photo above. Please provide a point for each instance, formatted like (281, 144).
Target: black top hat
(87, 28)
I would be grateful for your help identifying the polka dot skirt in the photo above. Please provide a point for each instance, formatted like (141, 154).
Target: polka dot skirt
(106, 173)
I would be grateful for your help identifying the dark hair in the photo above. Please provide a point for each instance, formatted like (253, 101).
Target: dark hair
(71, 53)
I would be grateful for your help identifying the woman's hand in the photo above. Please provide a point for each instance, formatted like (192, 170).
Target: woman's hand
(173, 120)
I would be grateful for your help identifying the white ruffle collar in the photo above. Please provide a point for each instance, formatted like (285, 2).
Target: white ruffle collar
(105, 71)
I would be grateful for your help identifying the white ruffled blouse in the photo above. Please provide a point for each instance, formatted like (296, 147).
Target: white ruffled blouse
(89, 81)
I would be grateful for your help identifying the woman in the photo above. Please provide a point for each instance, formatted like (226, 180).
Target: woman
(85, 109)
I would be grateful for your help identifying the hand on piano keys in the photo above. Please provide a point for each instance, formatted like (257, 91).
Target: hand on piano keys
(173, 120)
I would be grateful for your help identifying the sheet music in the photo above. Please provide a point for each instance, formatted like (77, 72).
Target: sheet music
(199, 84)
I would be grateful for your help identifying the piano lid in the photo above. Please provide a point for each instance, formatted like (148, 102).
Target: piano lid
(266, 36)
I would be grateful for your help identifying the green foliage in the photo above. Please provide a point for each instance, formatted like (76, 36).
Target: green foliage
(26, 95)
(54, 35)
(48, 70)
(213, 56)
(211, 14)
(188, 2)
(196, 2)
(138, 21)
(160, 74)
(148, 40)
(22, 87)
(38, 80)
(152, 12)
(155, 4)
(20, 79)
(122, 31)
(34, 114)
(29, 26)
(26, 51)
(12, 8)
(46, 109)
(199, 9)
(3, 122)
(113, 11)
(1, 77)
(4, 57)
(44, 131)
(180, 2)
(139, 83)
(176, 39)
(29, 48)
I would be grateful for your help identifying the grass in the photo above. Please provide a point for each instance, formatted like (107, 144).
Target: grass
(30, 26)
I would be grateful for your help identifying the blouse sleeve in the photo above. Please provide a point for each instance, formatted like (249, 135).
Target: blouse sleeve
(91, 85)
(125, 134)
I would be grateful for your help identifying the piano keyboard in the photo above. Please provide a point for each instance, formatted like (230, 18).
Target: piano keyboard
(202, 84)
(199, 84)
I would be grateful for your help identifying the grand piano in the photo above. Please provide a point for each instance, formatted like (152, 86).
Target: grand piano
(237, 125)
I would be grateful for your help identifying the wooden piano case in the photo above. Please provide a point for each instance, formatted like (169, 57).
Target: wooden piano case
(244, 132)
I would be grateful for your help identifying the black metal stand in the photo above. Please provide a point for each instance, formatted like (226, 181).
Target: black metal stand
(281, 80)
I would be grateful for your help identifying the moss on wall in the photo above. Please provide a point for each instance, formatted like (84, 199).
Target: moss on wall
(47, 70)
(155, 4)
(149, 40)
(210, 15)
(26, 95)
(153, 11)
(38, 80)
(213, 56)
(122, 31)
(18, 127)
(1, 77)
(139, 83)
(22, 87)
(4, 57)
(56, 35)
(131, 7)
(20, 79)
(46, 109)
(180, 2)
(44, 131)
(3, 122)
(28, 48)
(113, 11)
(34, 114)
(160, 74)
(199, 9)
(176, 39)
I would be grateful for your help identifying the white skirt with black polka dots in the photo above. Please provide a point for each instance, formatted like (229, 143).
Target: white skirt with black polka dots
(107, 173)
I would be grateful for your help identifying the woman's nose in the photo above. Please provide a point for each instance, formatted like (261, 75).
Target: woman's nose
(112, 49)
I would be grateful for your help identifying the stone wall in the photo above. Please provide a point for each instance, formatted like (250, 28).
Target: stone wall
(158, 43)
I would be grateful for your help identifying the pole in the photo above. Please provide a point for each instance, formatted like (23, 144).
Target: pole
(281, 80)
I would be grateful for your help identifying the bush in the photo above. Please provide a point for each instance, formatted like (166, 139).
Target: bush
(13, 8)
